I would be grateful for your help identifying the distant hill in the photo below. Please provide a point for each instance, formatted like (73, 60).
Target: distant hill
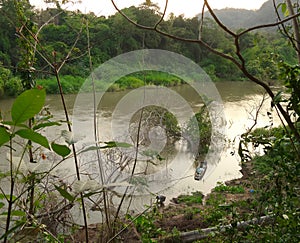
(242, 18)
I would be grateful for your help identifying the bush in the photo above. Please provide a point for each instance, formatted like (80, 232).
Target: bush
(199, 128)
(230, 189)
(70, 84)
(129, 82)
(13, 86)
(195, 198)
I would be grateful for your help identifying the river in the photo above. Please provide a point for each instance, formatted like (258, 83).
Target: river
(240, 100)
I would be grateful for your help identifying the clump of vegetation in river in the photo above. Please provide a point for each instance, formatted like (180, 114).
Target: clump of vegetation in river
(198, 132)
(140, 79)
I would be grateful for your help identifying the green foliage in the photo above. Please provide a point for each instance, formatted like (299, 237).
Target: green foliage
(9, 85)
(27, 138)
(34, 137)
(64, 193)
(4, 136)
(117, 36)
(154, 116)
(195, 198)
(61, 150)
(215, 199)
(70, 84)
(27, 105)
(198, 129)
(140, 79)
(291, 75)
(127, 82)
(146, 227)
(231, 189)
(13, 86)
(27, 29)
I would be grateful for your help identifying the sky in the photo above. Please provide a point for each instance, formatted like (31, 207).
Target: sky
(189, 8)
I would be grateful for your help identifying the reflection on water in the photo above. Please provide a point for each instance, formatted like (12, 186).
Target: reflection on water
(240, 100)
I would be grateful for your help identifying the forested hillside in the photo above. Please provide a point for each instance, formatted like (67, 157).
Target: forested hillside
(58, 31)
(242, 18)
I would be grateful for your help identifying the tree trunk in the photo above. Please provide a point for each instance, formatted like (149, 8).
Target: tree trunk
(295, 27)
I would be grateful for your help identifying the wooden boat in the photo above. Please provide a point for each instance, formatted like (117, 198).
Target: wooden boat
(200, 171)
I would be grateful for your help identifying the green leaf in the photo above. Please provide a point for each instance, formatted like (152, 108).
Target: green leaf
(4, 136)
(46, 124)
(285, 10)
(13, 124)
(6, 197)
(18, 213)
(91, 148)
(61, 150)
(65, 193)
(34, 137)
(2, 205)
(277, 98)
(113, 144)
(27, 104)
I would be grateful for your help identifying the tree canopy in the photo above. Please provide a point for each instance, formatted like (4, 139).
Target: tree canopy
(114, 35)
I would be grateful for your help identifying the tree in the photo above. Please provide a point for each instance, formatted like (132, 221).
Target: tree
(279, 166)
(236, 57)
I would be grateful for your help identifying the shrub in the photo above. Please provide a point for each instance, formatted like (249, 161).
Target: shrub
(13, 86)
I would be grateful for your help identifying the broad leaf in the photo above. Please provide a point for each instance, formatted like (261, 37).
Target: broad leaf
(34, 137)
(4, 136)
(65, 193)
(27, 104)
(61, 150)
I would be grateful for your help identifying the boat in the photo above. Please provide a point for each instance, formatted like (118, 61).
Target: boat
(200, 171)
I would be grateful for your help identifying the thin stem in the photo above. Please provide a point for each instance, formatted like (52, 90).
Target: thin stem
(96, 136)
(73, 150)
(12, 186)
(135, 159)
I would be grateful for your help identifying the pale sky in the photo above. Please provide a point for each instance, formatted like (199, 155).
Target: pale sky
(187, 7)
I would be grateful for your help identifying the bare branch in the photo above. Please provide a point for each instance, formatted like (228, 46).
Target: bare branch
(70, 51)
(217, 20)
(162, 16)
(269, 25)
(201, 23)
(240, 64)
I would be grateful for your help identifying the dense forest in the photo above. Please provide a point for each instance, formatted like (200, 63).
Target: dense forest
(58, 31)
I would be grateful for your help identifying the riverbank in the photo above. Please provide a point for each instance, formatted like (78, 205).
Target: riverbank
(249, 209)
(195, 212)
(188, 213)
